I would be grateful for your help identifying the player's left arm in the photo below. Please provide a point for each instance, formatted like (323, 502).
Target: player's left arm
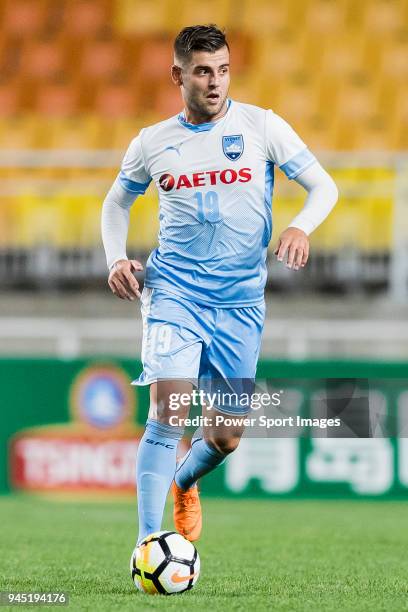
(322, 195)
(287, 150)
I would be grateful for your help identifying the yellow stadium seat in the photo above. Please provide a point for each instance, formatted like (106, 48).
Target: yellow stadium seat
(144, 221)
(318, 132)
(373, 133)
(355, 101)
(342, 54)
(122, 132)
(383, 17)
(36, 220)
(79, 220)
(7, 207)
(325, 18)
(263, 18)
(249, 89)
(188, 13)
(395, 62)
(139, 16)
(21, 132)
(364, 207)
(277, 59)
(72, 133)
(298, 102)
(378, 215)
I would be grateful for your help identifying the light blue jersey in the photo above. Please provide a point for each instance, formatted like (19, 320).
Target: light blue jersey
(215, 183)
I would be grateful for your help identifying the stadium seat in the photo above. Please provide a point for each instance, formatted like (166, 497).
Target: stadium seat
(116, 101)
(342, 56)
(394, 64)
(79, 132)
(41, 60)
(374, 133)
(9, 99)
(355, 101)
(168, 101)
(23, 18)
(277, 59)
(220, 12)
(262, 17)
(140, 17)
(325, 18)
(35, 220)
(19, 132)
(317, 132)
(379, 219)
(10, 54)
(102, 59)
(6, 221)
(56, 100)
(251, 89)
(399, 118)
(78, 220)
(383, 17)
(297, 99)
(155, 59)
(112, 58)
(144, 222)
(87, 18)
(240, 52)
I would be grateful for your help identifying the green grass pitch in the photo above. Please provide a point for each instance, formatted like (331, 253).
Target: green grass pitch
(255, 555)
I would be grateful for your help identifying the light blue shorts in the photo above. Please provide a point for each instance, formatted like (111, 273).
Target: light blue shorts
(189, 341)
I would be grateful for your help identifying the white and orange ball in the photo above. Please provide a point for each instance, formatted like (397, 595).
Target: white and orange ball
(165, 563)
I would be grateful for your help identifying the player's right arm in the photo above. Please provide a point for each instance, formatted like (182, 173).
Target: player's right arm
(132, 181)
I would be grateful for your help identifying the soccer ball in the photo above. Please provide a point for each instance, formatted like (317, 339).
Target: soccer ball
(164, 563)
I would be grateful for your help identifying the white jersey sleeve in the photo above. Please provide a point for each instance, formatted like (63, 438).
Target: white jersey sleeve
(134, 176)
(131, 182)
(322, 195)
(284, 147)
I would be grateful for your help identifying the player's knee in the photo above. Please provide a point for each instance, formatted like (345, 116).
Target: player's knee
(225, 446)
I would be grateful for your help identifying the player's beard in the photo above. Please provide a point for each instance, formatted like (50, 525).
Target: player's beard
(207, 111)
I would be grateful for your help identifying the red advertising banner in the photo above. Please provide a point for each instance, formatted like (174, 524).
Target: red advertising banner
(96, 452)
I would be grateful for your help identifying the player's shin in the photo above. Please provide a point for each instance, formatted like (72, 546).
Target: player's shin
(155, 467)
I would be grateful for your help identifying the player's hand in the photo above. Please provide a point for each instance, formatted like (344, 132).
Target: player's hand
(122, 280)
(294, 244)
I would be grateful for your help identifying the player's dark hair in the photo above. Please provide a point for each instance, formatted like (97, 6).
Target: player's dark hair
(199, 38)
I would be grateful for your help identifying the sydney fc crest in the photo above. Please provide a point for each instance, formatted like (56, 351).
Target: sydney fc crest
(233, 146)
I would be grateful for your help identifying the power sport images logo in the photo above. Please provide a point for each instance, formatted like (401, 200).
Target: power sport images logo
(168, 182)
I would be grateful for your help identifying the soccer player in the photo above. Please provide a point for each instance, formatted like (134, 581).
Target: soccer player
(203, 299)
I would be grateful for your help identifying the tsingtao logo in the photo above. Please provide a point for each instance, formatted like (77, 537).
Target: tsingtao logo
(167, 182)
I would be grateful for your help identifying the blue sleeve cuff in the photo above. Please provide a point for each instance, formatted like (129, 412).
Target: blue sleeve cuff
(133, 186)
(295, 166)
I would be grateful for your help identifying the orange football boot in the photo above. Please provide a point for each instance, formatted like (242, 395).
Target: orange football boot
(187, 512)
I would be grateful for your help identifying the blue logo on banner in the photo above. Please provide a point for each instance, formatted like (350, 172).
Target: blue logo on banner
(103, 401)
(233, 146)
